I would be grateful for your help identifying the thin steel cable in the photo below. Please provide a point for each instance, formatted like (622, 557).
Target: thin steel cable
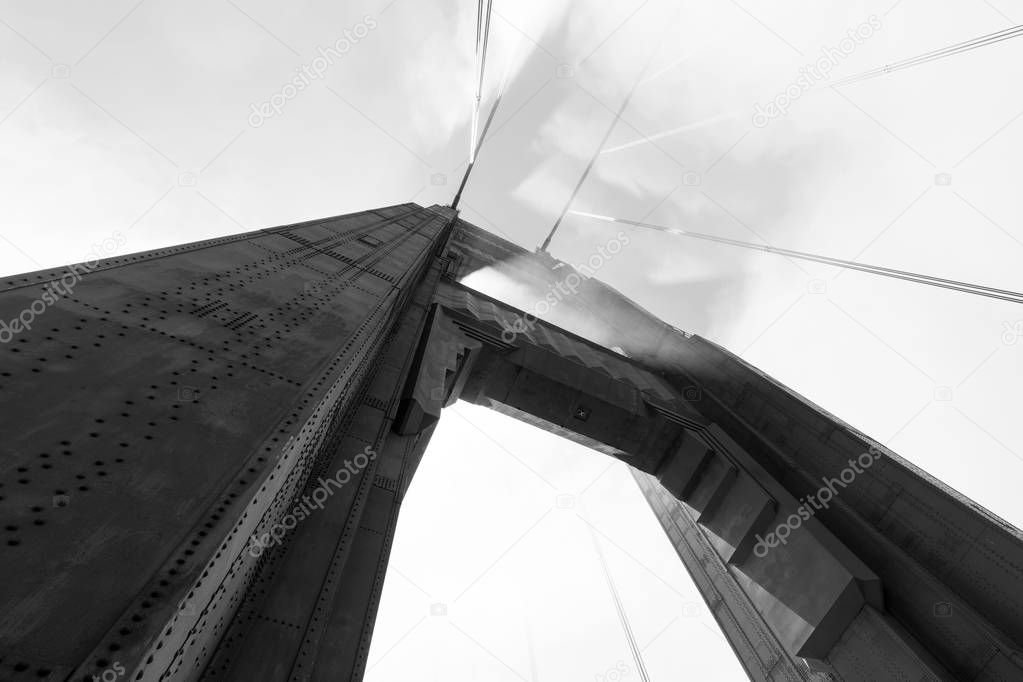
(623, 619)
(891, 68)
(837, 262)
(936, 54)
(954, 285)
(483, 135)
(486, 41)
(600, 147)
(966, 46)
(476, 141)
(482, 40)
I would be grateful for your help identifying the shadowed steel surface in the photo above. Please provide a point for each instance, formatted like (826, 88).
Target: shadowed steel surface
(206, 449)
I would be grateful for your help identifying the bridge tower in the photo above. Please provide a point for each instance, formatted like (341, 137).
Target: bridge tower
(207, 447)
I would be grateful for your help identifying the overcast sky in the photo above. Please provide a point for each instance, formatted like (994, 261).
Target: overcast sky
(138, 117)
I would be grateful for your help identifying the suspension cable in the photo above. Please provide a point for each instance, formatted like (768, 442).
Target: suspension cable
(479, 144)
(966, 46)
(600, 147)
(951, 284)
(476, 141)
(482, 39)
(623, 618)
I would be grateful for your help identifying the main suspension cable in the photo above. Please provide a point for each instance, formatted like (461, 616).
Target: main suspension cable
(600, 147)
(482, 39)
(483, 12)
(951, 284)
(479, 144)
(966, 46)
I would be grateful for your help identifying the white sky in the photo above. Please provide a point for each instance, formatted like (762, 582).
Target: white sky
(109, 112)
